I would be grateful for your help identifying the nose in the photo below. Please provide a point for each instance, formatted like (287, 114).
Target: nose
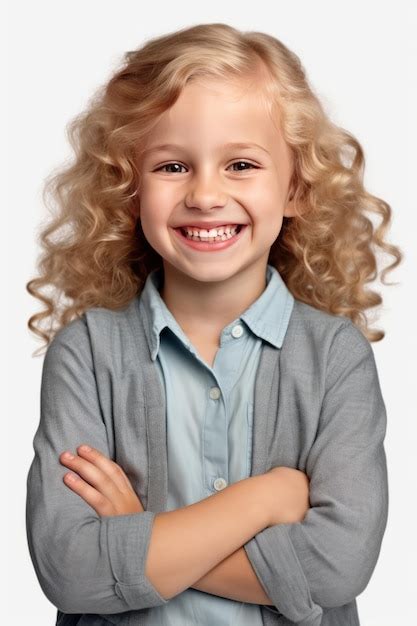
(205, 192)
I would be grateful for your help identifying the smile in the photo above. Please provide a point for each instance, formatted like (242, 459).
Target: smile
(206, 244)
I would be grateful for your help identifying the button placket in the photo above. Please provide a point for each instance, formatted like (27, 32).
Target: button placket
(218, 457)
(219, 465)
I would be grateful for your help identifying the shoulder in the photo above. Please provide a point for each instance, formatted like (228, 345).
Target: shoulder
(323, 350)
(73, 335)
(311, 329)
(97, 334)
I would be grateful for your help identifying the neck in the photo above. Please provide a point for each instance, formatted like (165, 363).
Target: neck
(207, 307)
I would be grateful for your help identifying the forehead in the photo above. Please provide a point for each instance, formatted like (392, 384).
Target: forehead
(217, 111)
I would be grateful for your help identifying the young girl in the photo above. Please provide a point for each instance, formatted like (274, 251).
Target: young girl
(213, 349)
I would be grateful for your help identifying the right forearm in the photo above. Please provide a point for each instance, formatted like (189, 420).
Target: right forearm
(187, 543)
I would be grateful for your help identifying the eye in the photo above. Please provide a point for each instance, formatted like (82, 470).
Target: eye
(244, 163)
(169, 165)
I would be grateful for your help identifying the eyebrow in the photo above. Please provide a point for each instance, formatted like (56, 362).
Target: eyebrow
(173, 146)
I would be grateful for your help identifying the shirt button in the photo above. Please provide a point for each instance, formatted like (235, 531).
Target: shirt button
(219, 484)
(215, 393)
(237, 330)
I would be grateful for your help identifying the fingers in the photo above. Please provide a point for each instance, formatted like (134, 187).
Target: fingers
(109, 467)
(94, 498)
(100, 482)
(98, 471)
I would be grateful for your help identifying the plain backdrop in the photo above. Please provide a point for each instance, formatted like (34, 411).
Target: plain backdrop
(360, 59)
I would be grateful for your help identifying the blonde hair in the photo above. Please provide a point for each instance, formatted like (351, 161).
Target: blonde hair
(94, 251)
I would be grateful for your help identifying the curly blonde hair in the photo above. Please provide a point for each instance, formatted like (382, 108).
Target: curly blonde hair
(94, 251)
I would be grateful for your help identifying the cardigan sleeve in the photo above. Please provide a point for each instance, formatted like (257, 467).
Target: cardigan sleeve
(327, 559)
(84, 563)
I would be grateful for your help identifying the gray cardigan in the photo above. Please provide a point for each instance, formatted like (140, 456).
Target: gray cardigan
(318, 407)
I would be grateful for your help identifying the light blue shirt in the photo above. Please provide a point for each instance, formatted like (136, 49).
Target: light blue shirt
(209, 422)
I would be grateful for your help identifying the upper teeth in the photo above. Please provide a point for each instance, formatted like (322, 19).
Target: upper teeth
(214, 232)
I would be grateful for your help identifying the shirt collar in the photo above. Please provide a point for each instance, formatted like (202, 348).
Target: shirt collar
(267, 317)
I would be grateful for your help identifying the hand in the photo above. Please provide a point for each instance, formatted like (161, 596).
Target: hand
(290, 501)
(105, 487)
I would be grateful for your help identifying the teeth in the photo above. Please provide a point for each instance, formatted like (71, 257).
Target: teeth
(215, 234)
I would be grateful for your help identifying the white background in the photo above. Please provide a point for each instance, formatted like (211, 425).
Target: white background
(361, 60)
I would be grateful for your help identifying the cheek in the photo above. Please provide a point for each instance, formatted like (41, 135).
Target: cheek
(157, 203)
(154, 207)
(157, 192)
(269, 216)
(154, 222)
(267, 226)
(152, 231)
(264, 200)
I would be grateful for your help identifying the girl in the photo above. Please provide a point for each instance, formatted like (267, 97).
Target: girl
(213, 350)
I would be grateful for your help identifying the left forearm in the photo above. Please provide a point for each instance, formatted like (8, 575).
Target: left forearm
(234, 578)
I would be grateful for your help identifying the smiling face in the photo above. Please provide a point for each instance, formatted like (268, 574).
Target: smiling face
(201, 177)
